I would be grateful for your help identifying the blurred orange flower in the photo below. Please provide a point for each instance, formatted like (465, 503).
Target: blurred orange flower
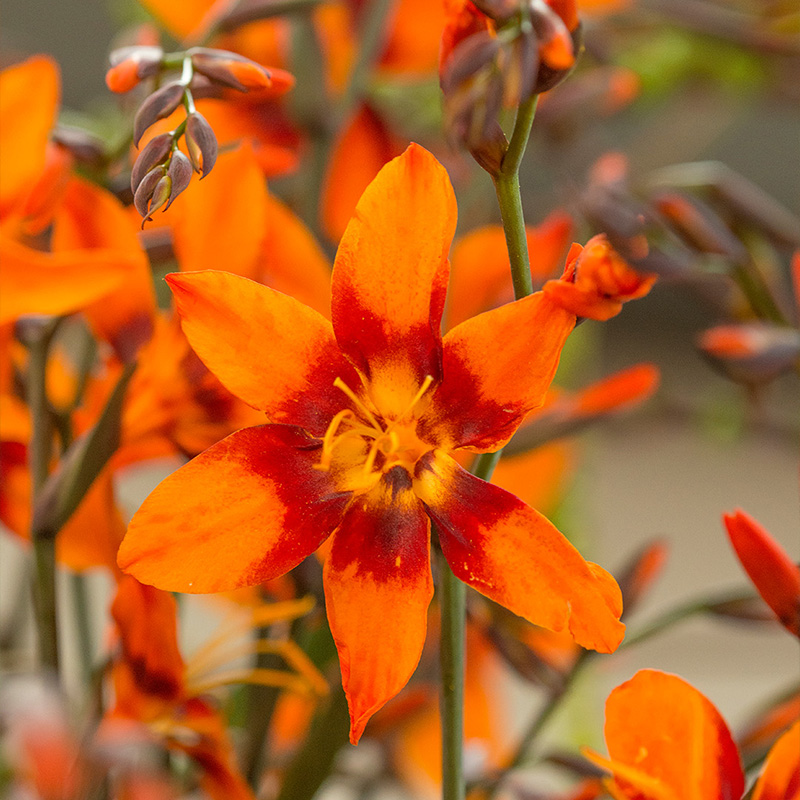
(666, 741)
(364, 415)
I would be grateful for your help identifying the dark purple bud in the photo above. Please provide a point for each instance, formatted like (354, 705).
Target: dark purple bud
(201, 143)
(144, 191)
(86, 147)
(155, 152)
(179, 174)
(161, 195)
(160, 104)
(468, 58)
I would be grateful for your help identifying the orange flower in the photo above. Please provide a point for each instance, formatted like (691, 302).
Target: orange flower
(596, 281)
(773, 573)
(154, 686)
(666, 741)
(364, 413)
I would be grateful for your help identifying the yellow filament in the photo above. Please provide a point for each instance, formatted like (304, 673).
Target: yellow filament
(417, 397)
(261, 676)
(340, 384)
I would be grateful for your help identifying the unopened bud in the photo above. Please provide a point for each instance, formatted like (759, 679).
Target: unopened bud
(160, 104)
(201, 143)
(130, 65)
(238, 72)
(145, 189)
(84, 146)
(155, 152)
(179, 174)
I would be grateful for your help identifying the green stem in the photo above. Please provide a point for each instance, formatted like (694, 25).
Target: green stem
(506, 184)
(44, 546)
(453, 592)
(452, 658)
(80, 602)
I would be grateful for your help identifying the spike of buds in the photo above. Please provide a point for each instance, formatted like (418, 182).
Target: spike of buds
(130, 65)
(201, 143)
(160, 104)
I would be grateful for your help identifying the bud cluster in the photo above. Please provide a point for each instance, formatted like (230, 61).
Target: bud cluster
(499, 53)
(162, 171)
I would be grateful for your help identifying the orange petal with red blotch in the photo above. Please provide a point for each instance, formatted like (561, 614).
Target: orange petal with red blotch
(516, 557)
(780, 777)
(390, 275)
(90, 217)
(147, 625)
(292, 261)
(33, 282)
(362, 148)
(668, 732)
(244, 511)
(267, 348)
(220, 221)
(29, 96)
(773, 573)
(493, 376)
(378, 587)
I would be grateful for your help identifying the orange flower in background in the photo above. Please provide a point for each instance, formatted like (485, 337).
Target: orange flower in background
(364, 415)
(597, 281)
(156, 689)
(666, 741)
(772, 572)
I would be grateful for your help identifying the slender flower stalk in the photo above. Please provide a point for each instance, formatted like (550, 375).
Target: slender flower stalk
(44, 545)
(453, 600)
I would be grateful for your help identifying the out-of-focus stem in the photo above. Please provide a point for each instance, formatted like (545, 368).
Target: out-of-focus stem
(44, 545)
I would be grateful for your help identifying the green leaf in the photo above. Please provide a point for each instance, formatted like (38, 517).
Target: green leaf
(82, 463)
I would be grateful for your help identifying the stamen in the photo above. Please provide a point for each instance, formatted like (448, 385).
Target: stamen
(417, 397)
(340, 384)
(260, 676)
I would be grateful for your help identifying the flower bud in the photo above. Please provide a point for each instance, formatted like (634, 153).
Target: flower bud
(160, 104)
(201, 143)
(179, 174)
(238, 72)
(145, 189)
(155, 152)
(130, 65)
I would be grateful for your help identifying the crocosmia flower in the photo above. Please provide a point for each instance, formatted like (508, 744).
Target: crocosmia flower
(364, 414)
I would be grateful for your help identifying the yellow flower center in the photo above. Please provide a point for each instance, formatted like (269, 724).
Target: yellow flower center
(360, 446)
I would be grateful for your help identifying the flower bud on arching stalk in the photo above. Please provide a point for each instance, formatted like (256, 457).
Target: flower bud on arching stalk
(130, 65)
(154, 153)
(159, 105)
(179, 174)
(238, 72)
(201, 143)
(146, 189)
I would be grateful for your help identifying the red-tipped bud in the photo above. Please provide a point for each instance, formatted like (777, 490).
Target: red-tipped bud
(160, 104)
(238, 72)
(201, 143)
(130, 65)
(155, 152)
(752, 353)
(773, 573)
(559, 38)
(638, 576)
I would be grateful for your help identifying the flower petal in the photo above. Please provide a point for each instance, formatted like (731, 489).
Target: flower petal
(516, 557)
(390, 275)
(494, 375)
(688, 752)
(378, 587)
(29, 95)
(266, 347)
(780, 778)
(244, 511)
(147, 625)
(91, 217)
(773, 573)
(32, 282)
